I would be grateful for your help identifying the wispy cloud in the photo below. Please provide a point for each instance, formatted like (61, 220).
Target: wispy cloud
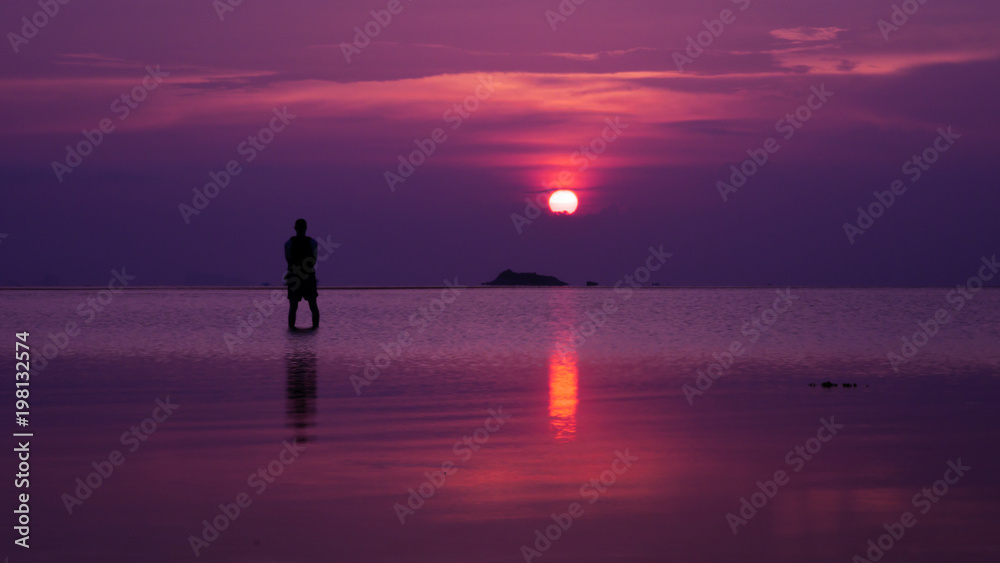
(599, 54)
(807, 33)
(93, 60)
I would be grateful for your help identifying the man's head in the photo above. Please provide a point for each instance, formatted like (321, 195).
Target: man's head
(300, 227)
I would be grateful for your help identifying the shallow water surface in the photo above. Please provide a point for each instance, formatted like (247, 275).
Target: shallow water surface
(428, 427)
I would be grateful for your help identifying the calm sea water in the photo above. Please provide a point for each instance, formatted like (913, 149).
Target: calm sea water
(582, 384)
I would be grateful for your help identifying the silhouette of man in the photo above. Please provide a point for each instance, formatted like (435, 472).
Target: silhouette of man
(300, 254)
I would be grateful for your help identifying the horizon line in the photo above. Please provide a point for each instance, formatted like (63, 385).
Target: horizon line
(481, 286)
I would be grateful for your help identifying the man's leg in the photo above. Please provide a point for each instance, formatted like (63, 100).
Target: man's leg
(293, 306)
(315, 312)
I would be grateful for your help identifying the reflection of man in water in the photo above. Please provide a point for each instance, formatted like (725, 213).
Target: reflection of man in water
(301, 388)
(300, 253)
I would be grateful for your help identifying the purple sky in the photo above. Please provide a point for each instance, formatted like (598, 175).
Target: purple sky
(655, 184)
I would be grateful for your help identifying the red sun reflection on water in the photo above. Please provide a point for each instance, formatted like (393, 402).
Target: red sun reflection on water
(562, 395)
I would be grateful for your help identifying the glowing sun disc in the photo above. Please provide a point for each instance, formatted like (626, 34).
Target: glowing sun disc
(563, 201)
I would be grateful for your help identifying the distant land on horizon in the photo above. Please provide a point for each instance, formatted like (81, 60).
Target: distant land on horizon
(510, 277)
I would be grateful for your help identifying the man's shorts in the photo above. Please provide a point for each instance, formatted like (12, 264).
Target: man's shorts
(304, 289)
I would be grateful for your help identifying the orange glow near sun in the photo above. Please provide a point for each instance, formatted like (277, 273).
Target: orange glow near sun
(562, 395)
(563, 201)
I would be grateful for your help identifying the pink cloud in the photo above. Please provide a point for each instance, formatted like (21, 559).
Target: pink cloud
(807, 33)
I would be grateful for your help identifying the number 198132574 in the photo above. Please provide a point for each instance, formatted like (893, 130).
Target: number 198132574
(23, 358)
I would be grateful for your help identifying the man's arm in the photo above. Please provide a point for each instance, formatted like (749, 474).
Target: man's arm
(288, 252)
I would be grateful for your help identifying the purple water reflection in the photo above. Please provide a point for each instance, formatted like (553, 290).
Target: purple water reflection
(569, 415)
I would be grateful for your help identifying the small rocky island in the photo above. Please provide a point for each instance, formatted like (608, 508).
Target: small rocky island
(509, 277)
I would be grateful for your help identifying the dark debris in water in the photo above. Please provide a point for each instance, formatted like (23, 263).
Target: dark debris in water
(829, 384)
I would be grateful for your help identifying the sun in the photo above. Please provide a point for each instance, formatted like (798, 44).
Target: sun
(563, 201)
